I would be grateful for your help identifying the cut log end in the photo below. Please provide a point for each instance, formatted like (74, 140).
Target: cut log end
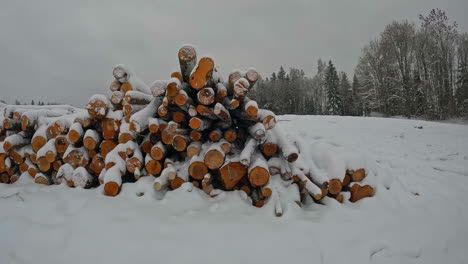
(334, 186)
(358, 192)
(111, 188)
(214, 159)
(202, 74)
(259, 176)
(176, 183)
(198, 170)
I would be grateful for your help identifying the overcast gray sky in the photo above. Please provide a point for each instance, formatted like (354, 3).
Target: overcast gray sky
(64, 51)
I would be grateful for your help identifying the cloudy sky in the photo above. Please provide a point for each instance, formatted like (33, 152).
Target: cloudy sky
(64, 51)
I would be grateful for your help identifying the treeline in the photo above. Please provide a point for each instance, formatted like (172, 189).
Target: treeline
(17, 102)
(407, 71)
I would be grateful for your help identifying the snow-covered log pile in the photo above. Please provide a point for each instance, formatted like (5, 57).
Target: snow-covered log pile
(192, 128)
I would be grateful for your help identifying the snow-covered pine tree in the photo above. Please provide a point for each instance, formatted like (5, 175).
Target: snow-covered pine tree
(346, 94)
(334, 104)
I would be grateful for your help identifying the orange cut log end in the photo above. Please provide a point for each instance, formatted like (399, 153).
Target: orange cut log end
(202, 74)
(111, 189)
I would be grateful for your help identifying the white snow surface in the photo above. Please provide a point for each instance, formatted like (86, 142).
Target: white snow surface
(418, 214)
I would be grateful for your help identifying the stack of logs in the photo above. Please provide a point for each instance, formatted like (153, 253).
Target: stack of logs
(192, 128)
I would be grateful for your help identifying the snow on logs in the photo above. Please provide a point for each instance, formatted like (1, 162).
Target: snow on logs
(191, 127)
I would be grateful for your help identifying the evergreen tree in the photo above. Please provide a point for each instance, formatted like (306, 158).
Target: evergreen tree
(334, 105)
(281, 74)
(32, 102)
(17, 102)
(346, 95)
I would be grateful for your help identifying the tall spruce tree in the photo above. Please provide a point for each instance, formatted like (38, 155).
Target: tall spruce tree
(334, 104)
(346, 95)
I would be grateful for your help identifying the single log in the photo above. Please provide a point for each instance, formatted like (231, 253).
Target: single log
(248, 151)
(138, 98)
(214, 157)
(134, 164)
(197, 168)
(126, 87)
(258, 171)
(257, 131)
(223, 114)
(173, 87)
(182, 176)
(114, 86)
(146, 144)
(206, 96)
(130, 109)
(107, 146)
(199, 124)
(117, 97)
(152, 166)
(110, 128)
(241, 87)
(221, 92)
(97, 164)
(112, 181)
(232, 172)
(230, 135)
(182, 98)
(140, 120)
(91, 139)
(180, 142)
(195, 135)
(12, 124)
(252, 76)
(177, 75)
(14, 178)
(308, 185)
(250, 106)
(39, 138)
(193, 149)
(153, 124)
(289, 151)
(98, 106)
(158, 88)
(187, 60)
(125, 134)
(51, 132)
(48, 151)
(163, 180)
(64, 174)
(234, 76)
(82, 178)
(206, 111)
(202, 73)
(61, 143)
(167, 136)
(335, 186)
(357, 175)
(75, 133)
(215, 135)
(360, 192)
(267, 117)
(179, 117)
(41, 178)
(16, 141)
(269, 147)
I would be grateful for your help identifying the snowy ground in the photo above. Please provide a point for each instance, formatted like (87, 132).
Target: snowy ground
(418, 215)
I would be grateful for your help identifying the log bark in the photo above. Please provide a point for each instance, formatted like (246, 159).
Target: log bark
(187, 60)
